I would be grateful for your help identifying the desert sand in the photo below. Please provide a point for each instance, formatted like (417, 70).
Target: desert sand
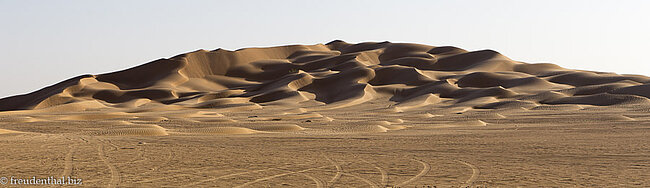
(334, 115)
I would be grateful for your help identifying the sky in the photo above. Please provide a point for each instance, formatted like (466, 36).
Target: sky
(45, 42)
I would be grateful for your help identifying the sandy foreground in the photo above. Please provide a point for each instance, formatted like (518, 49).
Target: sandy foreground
(334, 115)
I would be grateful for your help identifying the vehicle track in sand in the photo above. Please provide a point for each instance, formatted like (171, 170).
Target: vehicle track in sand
(178, 173)
(475, 173)
(67, 167)
(170, 158)
(115, 174)
(319, 182)
(339, 172)
(384, 175)
(426, 167)
(367, 181)
(237, 174)
(280, 175)
(141, 157)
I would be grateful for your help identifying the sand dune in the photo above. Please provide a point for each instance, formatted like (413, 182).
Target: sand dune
(316, 83)
(331, 73)
(323, 77)
(312, 114)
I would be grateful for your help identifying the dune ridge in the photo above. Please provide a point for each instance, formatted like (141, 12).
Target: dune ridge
(335, 73)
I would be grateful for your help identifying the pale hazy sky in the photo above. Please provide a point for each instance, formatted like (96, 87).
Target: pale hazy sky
(44, 42)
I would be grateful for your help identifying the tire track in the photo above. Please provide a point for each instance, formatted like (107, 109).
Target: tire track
(279, 175)
(339, 172)
(425, 169)
(177, 174)
(67, 167)
(475, 173)
(140, 157)
(319, 183)
(170, 158)
(384, 175)
(47, 142)
(115, 175)
(157, 168)
(115, 147)
(371, 183)
(236, 174)
(163, 178)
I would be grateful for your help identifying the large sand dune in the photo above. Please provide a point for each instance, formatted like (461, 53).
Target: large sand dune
(367, 114)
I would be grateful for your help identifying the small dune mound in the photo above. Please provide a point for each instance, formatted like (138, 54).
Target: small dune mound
(599, 118)
(215, 103)
(538, 69)
(73, 106)
(399, 75)
(506, 80)
(459, 124)
(446, 51)
(472, 115)
(279, 128)
(218, 130)
(29, 101)
(132, 103)
(225, 120)
(287, 117)
(421, 63)
(400, 50)
(424, 115)
(395, 121)
(151, 118)
(362, 129)
(18, 119)
(559, 107)
(640, 90)
(543, 96)
(596, 89)
(484, 60)
(6, 131)
(506, 105)
(468, 94)
(622, 118)
(368, 127)
(131, 132)
(307, 115)
(103, 116)
(475, 123)
(603, 99)
(394, 127)
(470, 123)
(576, 78)
(234, 107)
(416, 102)
(221, 94)
(119, 96)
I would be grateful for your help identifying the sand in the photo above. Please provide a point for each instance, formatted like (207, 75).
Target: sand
(334, 115)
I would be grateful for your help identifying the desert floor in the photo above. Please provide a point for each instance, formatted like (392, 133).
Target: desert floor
(576, 145)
